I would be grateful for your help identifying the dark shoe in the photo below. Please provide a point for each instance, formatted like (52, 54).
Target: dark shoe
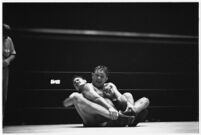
(140, 117)
(129, 112)
(122, 121)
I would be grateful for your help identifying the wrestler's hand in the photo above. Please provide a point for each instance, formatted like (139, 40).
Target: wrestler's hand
(129, 107)
(113, 113)
(107, 90)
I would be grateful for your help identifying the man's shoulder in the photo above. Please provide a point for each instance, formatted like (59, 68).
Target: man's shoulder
(88, 86)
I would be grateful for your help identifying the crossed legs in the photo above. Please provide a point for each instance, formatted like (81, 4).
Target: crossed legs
(139, 107)
(91, 113)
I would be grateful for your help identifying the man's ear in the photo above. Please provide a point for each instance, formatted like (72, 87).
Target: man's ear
(92, 74)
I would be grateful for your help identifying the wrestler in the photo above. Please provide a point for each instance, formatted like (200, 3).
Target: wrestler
(124, 102)
(92, 108)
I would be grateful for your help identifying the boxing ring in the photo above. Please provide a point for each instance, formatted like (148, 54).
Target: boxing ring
(144, 127)
(32, 114)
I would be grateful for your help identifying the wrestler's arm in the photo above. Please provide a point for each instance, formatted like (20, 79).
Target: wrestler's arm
(90, 94)
(119, 97)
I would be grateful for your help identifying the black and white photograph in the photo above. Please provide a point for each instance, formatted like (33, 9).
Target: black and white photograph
(100, 67)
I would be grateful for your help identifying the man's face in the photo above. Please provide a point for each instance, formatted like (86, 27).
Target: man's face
(99, 78)
(78, 82)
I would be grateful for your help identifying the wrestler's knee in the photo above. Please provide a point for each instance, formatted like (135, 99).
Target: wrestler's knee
(76, 96)
(127, 94)
(146, 101)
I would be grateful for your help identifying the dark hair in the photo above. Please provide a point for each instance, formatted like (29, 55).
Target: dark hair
(103, 68)
(76, 76)
(6, 30)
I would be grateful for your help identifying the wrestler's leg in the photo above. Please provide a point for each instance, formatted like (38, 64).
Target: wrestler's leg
(141, 104)
(141, 110)
(129, 97)
(139, 107)
(89, 110)
(123, 120)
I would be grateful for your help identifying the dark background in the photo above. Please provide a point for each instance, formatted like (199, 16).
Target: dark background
(163, 69)
(169, 18)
